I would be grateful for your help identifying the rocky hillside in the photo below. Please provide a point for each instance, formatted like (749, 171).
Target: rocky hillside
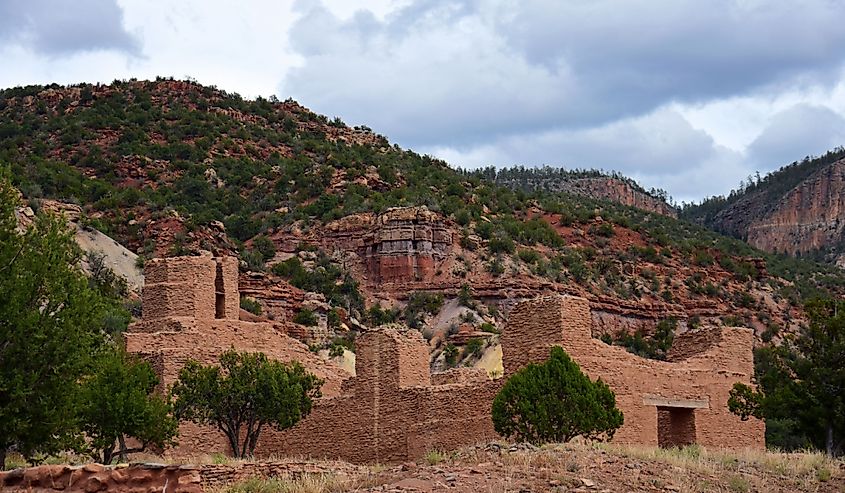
(339, 230)
(797, 210)
(587, 183)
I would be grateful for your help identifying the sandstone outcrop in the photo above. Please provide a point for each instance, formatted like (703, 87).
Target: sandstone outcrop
(808, 218)
(798, 210)
(400, 245)
(609, 188)
(596, 187)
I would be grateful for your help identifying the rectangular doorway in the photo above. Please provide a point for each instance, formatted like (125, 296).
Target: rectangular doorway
(675, 426)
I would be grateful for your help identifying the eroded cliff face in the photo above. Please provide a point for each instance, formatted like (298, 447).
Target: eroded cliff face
(401, 245)
(595, 187)
(618, 191)
(809, 217)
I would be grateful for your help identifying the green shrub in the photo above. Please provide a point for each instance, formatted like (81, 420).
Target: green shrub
(702, 258)
(555, 402)
(501, 244)
(305, 317)
(451, 354)
(264, 246)
(488, 327)
(377, 315)
(336, 350)
(333, 318)
(528, 256)
(495, 267)
(465, 296)
(474, 346)
(251, 305)
(604, 230)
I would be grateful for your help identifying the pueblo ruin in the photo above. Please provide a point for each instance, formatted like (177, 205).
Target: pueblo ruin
(394, 409)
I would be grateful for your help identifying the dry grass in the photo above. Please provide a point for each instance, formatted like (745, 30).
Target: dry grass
(305, 483)
(743, 470)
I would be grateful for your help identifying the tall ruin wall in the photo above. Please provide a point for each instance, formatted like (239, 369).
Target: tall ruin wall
(394, 410)
(700, 381)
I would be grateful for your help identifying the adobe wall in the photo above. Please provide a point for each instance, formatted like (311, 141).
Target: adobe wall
(701, 379)
(168, 335)
(389, 412)
(394, 409)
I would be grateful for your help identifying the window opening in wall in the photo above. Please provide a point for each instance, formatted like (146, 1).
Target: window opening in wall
(675, 426)
(220, 294)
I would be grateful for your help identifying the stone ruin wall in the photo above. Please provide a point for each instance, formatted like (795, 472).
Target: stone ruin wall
(394, 410)
(159, 478)
(390, 412)
(700, 381)
(183, 320)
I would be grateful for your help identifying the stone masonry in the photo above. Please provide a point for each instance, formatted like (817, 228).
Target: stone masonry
(665, 403)
(394, 409)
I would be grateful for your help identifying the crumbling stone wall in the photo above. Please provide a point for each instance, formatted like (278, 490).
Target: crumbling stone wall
(390, 411)
(185, 317)
(692, 342)
(699, 381)
(394, 410)
(159, 478)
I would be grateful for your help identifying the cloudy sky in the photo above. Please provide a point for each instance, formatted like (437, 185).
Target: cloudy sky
(689, 96)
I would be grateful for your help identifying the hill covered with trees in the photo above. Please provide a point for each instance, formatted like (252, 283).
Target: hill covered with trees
(795, 210)
(171, 167)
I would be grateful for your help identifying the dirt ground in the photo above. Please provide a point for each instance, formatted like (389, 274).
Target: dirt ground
(608, 468)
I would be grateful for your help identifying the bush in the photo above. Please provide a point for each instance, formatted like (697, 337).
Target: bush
(264, 246)
(501, 244)
(474, 346)
(528, 256)
(451, 354)
(604, 230)
(305, 317)
(555, 402)
(251, 305)
(488, 327)
(465, 296)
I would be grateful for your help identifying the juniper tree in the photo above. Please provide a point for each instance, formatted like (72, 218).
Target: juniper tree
(555, 402)
(118, 401)
(242, 395)
(50, 322)
(802, 382)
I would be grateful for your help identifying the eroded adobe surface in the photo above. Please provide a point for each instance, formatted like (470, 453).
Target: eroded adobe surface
(394, 409)
(696, 383)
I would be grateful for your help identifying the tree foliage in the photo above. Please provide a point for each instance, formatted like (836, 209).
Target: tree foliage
(246, 393)
(555, 402)
(117, 401)
(50, 322)
(801, 384)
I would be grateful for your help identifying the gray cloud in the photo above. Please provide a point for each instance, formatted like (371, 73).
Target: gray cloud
(660, 149)
(799, 131)
(57, 28)
(463, 72)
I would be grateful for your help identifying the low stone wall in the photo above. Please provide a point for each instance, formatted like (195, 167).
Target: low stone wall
(137, 478)
(160, 478)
